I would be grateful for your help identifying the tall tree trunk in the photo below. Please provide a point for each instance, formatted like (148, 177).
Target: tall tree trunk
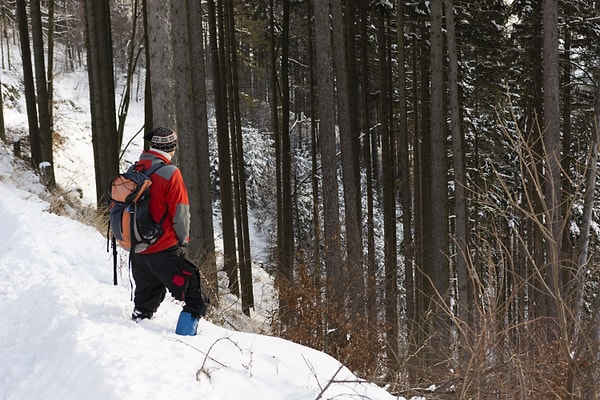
(192, 128)
(404, 170)
(102, 96)
(577, 285)
(389, 204)
(42, 94)
(535, 110)
(50, 74)
(133, 53)
(423, 197)
(439, 193)
(286, 252)
(591, 337)
(351, 9)
(280, 278)
(204, 250)
(160, 62)
(352, 209)
(148, 114)
(568, 158)
(465, 290)
(245, 261)
(331, 239)
(371, 292)
(183, 103)
(225, 178)
(28, 81)
(552, 189)
(317, 243)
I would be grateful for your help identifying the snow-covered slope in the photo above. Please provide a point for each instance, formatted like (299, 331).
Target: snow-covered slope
(65, 331)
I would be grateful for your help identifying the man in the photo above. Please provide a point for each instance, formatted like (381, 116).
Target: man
(163, 265)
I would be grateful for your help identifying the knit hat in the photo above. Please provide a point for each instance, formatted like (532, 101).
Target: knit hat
(164, 139)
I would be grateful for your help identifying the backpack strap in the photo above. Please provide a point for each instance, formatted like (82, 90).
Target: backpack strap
(150, 171)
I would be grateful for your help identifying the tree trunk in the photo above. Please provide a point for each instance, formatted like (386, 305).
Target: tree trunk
(371, 292)
(404, 169)
(42, 95)
(569, 247)
(552, 189)
(286, 252)
(332, 231)
(423, 197)
(351, 22)
(131, 63)
(148, 114)
(389, 204)
(317, 243)
(352, 208)
(225, 179)
(535, 111)
(245, 261)
(32, 116)
(190, 109)
(439, 194)
(204, 250)
(465, 290)
(160, 60)
(102, 97)
(50, 74)
(280, 277)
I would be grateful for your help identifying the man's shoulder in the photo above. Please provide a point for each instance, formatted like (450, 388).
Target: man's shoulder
(157, 164)
(166, 171)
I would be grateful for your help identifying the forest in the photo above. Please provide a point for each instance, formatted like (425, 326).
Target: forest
(429, 170)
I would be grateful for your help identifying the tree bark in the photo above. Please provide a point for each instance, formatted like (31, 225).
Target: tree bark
(42, 93)
(32, 116)
(439, 194)
(389, 204)
(465, 290)
(404, 172)
(371, 281)
(243, 230)
(102, 97)
(552, 189)
(332, 231)
(225, 178)
(204, 250)
(50, 74)
(160, 60)
(352, 208)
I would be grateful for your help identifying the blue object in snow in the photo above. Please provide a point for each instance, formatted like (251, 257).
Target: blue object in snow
(187, 324)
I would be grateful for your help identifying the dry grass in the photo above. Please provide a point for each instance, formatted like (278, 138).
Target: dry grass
(68, 203)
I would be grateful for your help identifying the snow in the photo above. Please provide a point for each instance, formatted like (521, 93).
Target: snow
(65, 329)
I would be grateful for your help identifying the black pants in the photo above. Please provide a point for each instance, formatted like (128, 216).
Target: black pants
(156, 273)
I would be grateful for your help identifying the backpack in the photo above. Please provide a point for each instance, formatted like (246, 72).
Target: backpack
(130, 221)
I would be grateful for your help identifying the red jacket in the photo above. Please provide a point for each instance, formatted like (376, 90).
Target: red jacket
(167, 193)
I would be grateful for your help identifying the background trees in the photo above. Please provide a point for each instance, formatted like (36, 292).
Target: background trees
(432, 182)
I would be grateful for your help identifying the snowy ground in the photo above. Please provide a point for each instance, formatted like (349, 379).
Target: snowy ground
(65, 331)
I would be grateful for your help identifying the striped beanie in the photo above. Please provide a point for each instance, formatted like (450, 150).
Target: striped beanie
(164, 139)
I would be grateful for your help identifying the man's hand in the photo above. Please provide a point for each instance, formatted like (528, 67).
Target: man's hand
(182, 252)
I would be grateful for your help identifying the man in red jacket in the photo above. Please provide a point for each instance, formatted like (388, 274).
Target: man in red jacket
(163, 265)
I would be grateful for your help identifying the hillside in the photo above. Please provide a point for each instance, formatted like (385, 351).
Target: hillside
(65, 331)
